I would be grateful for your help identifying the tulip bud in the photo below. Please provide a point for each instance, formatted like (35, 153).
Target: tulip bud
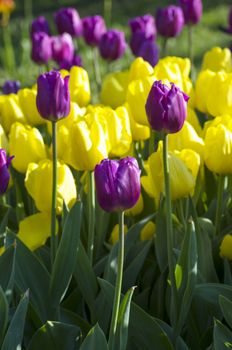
(93, 29)
(169, 21)
(4, 172)
(149, 51)
(53, 98)
(39, 24)
(68, 21)
(117, 183)
(142, 28)
(192, 10)
(226, 247)
(62, 48)
(41, 51)
(112, 44)
(10, 87)
(166, 107)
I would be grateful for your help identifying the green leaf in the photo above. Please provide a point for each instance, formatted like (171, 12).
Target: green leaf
(210, 292)
(4, 221)
(161, 238)
(123, 321)
(143, 329)
(55, 335)
(7, 270)
(14, 334)
(65, 260)
(95, 340)
(70, 317)
(4, 310)
(226, 307)
(222, 336)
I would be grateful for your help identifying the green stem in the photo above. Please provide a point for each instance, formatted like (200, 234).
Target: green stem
(107, 12)
(117, 295)
(9, 56)
(171, 263)
(190, 46)
(54, 242)
(164, 47)
(91, 210)
(96, 67)
(221, 183)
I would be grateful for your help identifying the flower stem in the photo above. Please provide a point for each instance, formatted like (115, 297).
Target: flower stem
(221, 183)
(96, 67)
(9, 55)
(117, 295)
(190, 47)
(107, 11)
(54, 194)
(91, 210)
(171, 263)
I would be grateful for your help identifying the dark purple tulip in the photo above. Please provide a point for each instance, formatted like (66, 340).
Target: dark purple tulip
(4, 172)
(41, 51)
(112, 44)
(93, 29)
(53, 97)
(192, 10)
(39, 24)
(10, 87)
(136, 40)
(145, 24)
(149, 51)
(76, 61)
(169, 21)
(68, 21)
(117, 183)
(166, 107)
(62, 48)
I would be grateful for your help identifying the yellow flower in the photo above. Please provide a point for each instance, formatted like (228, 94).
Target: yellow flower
(27, 102)
(27, 145)
(193, 120)
(138, 131)
(79, 86)
(148, 231)
(218, 149)
(226, 247)
(114, 87)
(217, 59)
(35, 229)
(114, 236)
(6, 6)
(139, 69)
(137, 208)
(3, 139)
(10, 111)
(38, 183)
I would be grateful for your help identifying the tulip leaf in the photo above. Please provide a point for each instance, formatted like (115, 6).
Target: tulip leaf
(226, 307)
(95, 340)
(65, 259)
(7, 270)
(4, 220)
(161, 238)
(4, 310)
(222, 336)
(55, 335)
(14, 334)
(67, 316)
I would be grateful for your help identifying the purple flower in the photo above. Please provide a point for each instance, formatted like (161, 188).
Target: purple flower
(39, 24)
(62, 48)
(117, 183)
(4, 172)
(169, 21)
(112, 44)
(41, 51)
(76, 61)
(93, 29)
(166, 107)
(10, 87)
(53, 97)
(192, 10)
(68, 21)
(144, 24)
(149, 51)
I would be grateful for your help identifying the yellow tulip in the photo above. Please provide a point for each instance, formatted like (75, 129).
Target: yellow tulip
(38, 182)
(193, 120)
(27, 145)
(114, 236)
(10, 111)
(139, 69)
(203, 88)
(137, 208)
(79, 86)
(27, 102)
(138, 131)
(114, 87)
(226, 247)
(35, 229)
(148, 231)
(3, 139)
(217, 59)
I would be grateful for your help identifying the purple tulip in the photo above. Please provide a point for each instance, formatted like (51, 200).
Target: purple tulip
(149, 51)
(41, 51)
(117, 183)
(39, 24)
(62, 48)
(53, 97)
(10, 87)
(93, 29)
(169, 21)
(112, 44)
(192, 10)
(166, 107)
(144, 24)
(68, 21)
(4, 172)
(76, 61)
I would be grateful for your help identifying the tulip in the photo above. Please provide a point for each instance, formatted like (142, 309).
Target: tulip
(149, 51)
(3, 139)
(140, 69)
(27, 102)
(113, 90)
(68, 21)
(93, 29)
(76, 61)
(217, 59)
(192, 10)
(115, 234)
(142, 28)
(117, 183)
(53, 99)
(112, 44)
(39, 24)
(169, 21)
(41, 51)
(4, 172)
(166, 107)
(226, 247)
(10, 111)
(79, 86)
(10, 87)
(62, 48)
(148, 231)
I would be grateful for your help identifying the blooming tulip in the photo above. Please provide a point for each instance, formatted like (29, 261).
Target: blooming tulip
(169, 21)
(27, 102)
(192, 10)
(79, 86)
(4, 172)
(41, 51)
(93, 29)
(112, 44)
(217, 59)
(68, 21)
(62, 48)
(142, 28)
(10, 111)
